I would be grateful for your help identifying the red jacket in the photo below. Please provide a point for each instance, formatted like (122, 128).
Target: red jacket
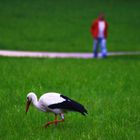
(94, 28)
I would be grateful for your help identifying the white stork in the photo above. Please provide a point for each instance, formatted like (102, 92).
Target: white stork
(56, 103)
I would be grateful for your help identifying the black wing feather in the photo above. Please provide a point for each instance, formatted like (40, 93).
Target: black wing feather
(69, 105)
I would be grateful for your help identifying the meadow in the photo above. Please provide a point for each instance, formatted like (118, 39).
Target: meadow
(52, 25)
(108, 88)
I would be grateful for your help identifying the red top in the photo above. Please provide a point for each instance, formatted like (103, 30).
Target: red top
(94, 28)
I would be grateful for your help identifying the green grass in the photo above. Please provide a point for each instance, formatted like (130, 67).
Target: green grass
(108, 88)
(52, 25)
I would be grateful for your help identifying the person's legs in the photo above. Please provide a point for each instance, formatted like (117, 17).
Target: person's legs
(95, 48)
(103, 47)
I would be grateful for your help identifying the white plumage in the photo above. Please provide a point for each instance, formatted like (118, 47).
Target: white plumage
(51, 98)
(56, 103)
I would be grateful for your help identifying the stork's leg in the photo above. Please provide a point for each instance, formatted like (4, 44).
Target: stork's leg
(56, 121)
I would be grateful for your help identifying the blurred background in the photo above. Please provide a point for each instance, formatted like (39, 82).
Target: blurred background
(64, 26)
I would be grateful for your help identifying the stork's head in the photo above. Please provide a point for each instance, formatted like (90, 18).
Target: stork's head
(29, 100)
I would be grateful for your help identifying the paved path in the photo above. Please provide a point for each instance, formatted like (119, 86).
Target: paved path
(10, 53)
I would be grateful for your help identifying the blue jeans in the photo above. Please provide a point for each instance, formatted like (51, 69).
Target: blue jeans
(102, 43)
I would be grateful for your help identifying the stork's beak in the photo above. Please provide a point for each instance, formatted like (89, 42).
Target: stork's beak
(27, 105)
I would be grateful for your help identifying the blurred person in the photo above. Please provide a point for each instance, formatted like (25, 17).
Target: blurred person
(99, 31)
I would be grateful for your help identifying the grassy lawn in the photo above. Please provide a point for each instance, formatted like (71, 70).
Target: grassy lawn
(52, 25)
(108, 88)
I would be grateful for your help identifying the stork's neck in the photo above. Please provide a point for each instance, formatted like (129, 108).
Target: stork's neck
(35, 101)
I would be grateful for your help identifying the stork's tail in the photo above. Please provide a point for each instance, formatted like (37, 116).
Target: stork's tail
(75, 106)
(79, 108)
(84, 112)
(71, 105)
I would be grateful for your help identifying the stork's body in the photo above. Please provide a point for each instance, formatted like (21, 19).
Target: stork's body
(56, 103)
